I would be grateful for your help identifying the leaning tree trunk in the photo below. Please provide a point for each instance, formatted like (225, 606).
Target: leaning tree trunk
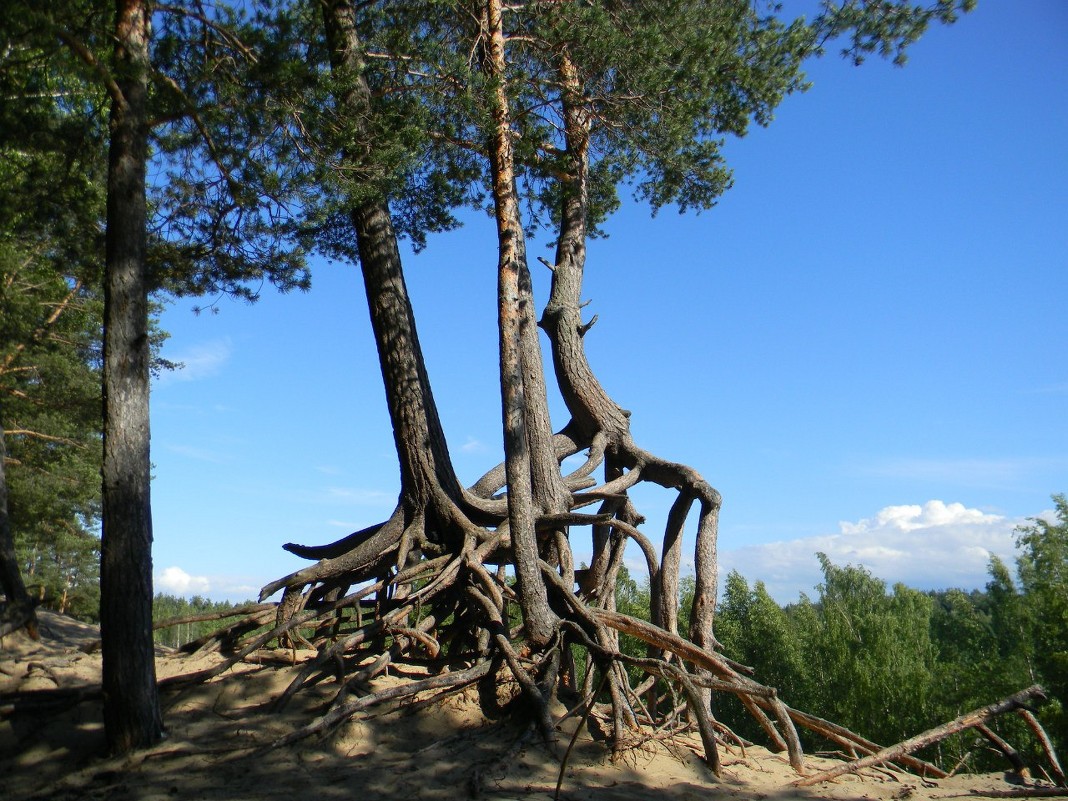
(431, 503)
(596, 418)
(427, 476)
(132, 715)
(426, 468)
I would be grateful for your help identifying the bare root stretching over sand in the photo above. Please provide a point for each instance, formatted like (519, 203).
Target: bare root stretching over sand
(220, 734)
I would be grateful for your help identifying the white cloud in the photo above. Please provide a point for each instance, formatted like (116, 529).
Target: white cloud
(913, 516)
(933, 546)
(177, 581)
(199, 361)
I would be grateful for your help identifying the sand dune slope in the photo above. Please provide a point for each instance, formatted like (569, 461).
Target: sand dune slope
(216, 733)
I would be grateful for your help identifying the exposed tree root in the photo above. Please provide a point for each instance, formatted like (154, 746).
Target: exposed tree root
(343, 712)
(1025, 792)
(455, 614)
(452, 596)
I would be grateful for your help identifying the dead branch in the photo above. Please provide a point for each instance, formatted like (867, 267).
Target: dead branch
(1047, 746)
(966, 721)
(854, 742)
(1006, 750)
(1024, 792)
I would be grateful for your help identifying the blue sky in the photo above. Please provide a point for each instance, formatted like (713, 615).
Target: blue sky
(862, 347)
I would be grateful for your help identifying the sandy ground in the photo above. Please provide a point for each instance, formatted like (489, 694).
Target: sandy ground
(215, 734)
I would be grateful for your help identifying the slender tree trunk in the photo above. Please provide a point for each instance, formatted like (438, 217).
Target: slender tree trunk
(594, 413)
(549, 491)
(538, 618)
(425, 462)
(430, 494)
(590, 406)
(132, 715)
(429, 486)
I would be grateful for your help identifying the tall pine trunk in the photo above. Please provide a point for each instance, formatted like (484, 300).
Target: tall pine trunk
(521, 450)
(132, 715)
(431, 494)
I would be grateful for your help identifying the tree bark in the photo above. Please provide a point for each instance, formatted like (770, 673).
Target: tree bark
(538, 618)
(428, 480)
(132, 714)
(1047, 746)
(593, 412)
(854, 742)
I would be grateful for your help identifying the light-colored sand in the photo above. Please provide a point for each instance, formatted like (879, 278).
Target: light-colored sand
(442, 751)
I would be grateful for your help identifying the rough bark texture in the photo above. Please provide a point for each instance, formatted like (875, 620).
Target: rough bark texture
(131, 703)
(595, 416)
(1047, 746)
(426, 468)
(514, 313)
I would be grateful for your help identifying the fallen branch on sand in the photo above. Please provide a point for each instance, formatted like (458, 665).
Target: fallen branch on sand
(969, 720)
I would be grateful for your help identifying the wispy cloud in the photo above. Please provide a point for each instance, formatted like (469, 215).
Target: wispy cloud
(198, 454)
(1050, 389)
(359, 496)
(473, 445)
(176, 581)
(930, 546)
(199, 361)
(985, 473)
